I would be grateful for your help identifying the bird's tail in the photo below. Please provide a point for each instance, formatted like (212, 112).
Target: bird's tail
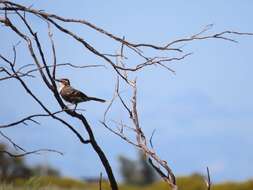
(96, 99)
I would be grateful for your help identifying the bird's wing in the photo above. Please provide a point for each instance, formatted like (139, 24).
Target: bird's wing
(76, 93)
(80, 94)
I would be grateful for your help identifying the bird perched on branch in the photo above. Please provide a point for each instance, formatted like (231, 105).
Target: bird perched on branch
(72, 95)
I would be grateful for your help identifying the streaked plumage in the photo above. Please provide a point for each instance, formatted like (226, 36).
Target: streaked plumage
(73, 95)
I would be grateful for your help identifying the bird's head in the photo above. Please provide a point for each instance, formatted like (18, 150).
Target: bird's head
(63, 82)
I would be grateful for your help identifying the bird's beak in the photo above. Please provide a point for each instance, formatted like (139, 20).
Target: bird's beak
(58, 80)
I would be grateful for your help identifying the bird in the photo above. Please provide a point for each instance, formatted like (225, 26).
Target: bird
(72, 95)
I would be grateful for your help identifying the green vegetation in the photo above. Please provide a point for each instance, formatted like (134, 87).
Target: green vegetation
(137, 175)
(193, 182)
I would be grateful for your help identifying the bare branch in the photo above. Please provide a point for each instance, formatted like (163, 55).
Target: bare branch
(61, 65)
(100, 181)
(151, 138)
(121, 66)
(49, 16)
(141, 140)
(16, 146)
(50, 34)
(31, 152)
(208, 180)
(112, 100)
(30, 118)
(221, 35)
(121, 135)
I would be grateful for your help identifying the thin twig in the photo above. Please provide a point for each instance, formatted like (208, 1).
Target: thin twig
(31, 152)
(208, 180)
(16, 146)
(100, 181)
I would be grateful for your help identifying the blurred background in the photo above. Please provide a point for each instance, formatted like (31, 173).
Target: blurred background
(202, 114)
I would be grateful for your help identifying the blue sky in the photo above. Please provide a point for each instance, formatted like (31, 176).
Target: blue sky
(202, 115)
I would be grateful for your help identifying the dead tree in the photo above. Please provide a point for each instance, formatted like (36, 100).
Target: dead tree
(125, 71)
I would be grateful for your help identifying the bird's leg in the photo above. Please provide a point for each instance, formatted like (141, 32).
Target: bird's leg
(75, 107)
